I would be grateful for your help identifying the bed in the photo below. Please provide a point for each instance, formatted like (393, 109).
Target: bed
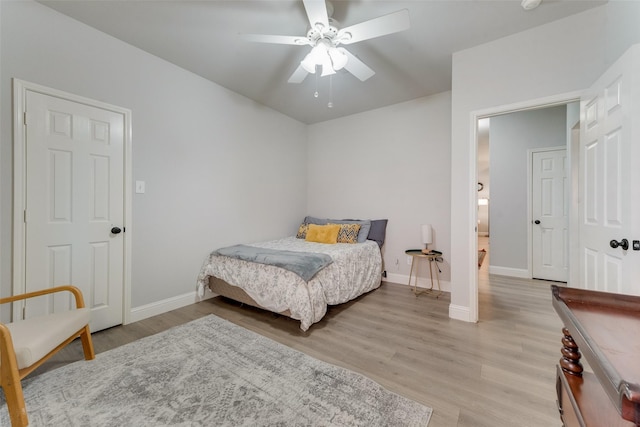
(348, 271)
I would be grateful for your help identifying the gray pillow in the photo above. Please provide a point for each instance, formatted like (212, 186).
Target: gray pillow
(378, 231)
(317, 221)
(365, 225)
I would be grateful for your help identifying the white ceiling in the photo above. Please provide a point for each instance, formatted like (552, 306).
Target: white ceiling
(202, 36)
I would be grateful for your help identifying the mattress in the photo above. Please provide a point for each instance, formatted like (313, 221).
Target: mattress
(355, 270)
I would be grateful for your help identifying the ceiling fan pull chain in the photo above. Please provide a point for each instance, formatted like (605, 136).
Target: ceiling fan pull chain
(316, 94)
(330, 104)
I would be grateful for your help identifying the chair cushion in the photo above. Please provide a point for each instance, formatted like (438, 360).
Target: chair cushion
(34, 338)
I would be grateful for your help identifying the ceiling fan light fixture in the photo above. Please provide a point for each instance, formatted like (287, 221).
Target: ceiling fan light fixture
(322, 54)
(309, 64)
(530, 4)
(327, 66)
(338, 58)
(327, 70)
(313, 58)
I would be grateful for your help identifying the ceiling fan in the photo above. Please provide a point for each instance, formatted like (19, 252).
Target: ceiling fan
(324, 37)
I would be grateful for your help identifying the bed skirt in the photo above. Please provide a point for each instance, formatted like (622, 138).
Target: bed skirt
(220, 287)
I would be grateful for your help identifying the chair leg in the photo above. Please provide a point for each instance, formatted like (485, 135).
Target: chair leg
(87, 344)
(15, 399)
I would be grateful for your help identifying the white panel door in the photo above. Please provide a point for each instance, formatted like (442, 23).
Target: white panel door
(610, 194)
(550, 246)
(74, 198)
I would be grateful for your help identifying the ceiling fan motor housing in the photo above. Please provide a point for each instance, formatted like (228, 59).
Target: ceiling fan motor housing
(320, 32)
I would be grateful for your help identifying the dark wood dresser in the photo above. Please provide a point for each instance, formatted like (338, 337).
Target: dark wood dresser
(605, 329)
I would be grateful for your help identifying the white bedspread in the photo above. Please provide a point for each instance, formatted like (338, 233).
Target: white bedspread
(356, 269)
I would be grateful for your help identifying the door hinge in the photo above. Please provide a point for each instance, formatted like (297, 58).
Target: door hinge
(24, 118)
(24, 312)
(24, 216)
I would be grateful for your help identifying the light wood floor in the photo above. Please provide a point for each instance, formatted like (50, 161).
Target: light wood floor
(498, 372)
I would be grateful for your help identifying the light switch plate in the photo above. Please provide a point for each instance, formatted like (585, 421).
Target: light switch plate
(140, 187)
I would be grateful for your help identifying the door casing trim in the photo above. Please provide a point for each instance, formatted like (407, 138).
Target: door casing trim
(471, 270)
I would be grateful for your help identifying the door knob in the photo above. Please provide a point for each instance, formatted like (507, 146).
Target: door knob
(537, 222)
(116, 230)
(624, 244)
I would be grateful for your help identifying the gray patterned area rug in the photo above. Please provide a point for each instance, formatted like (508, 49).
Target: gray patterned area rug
(210, 372)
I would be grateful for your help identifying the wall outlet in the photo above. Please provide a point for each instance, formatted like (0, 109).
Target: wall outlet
(140, 187)
(409, 259)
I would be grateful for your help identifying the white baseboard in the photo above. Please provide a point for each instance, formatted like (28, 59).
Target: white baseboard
(423, 282)
(459, 312)
(173, 303)
(159, 307)
(512, 272)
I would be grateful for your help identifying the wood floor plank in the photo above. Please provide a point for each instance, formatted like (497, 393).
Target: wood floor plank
(498, 372)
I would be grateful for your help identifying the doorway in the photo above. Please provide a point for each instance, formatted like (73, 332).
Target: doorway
(484, 193)
(512, 138)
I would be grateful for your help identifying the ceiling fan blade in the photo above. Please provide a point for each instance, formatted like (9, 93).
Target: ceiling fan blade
(266, 38)
(298, 75)
(357, 67)
(376, 27)
(316, 12)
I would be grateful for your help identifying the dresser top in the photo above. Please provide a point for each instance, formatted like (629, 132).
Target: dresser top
(606, 328)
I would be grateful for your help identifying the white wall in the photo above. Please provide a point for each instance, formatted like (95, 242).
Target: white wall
(219, 168)
(391, 163)
(561, 57)
(512, 136)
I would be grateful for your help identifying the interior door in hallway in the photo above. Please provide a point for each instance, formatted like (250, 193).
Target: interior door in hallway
(550, 248)
(74, 198)
(610, 195)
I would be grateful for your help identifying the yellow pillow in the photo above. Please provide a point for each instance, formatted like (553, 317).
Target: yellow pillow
(348, 233)
(323, 233)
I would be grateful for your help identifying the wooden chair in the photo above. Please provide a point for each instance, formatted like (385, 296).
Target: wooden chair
(27, 344)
